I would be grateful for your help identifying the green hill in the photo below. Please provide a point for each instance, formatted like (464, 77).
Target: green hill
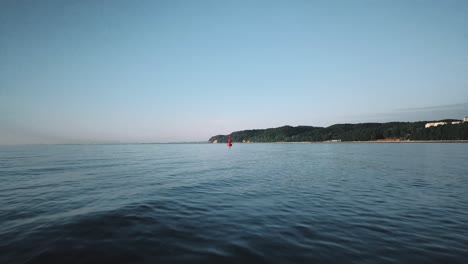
(352, 132)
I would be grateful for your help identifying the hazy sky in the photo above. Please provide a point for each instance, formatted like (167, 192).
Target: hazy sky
(157, 71)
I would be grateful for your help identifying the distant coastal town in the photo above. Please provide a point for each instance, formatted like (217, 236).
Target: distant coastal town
(465, 119)
(441, 130)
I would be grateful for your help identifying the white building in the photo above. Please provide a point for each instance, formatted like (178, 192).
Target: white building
(465, 119)
(435, 124)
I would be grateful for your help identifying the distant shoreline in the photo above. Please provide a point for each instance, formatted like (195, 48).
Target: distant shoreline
(413, 141)
(407, 141)
(444, 131)
(246, 143)
(348, 142)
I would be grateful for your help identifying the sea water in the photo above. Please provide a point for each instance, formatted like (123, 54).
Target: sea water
(253, 203)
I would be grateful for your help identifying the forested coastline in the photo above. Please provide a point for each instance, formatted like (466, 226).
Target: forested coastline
(351, 132)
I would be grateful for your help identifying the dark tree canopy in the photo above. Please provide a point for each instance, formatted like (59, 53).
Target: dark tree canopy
(351, 132)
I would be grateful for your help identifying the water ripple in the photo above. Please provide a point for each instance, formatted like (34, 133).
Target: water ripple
(256, 203)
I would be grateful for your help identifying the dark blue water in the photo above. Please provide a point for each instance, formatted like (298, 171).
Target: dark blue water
(255, 203)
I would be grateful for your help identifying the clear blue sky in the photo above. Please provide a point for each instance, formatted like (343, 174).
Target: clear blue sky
(157, 71)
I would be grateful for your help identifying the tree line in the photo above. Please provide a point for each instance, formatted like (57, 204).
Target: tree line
(351, 132)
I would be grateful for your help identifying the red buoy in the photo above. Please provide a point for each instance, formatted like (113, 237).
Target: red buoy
(229, 141)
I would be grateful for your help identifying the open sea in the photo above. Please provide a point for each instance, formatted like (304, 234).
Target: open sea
(254, 203)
